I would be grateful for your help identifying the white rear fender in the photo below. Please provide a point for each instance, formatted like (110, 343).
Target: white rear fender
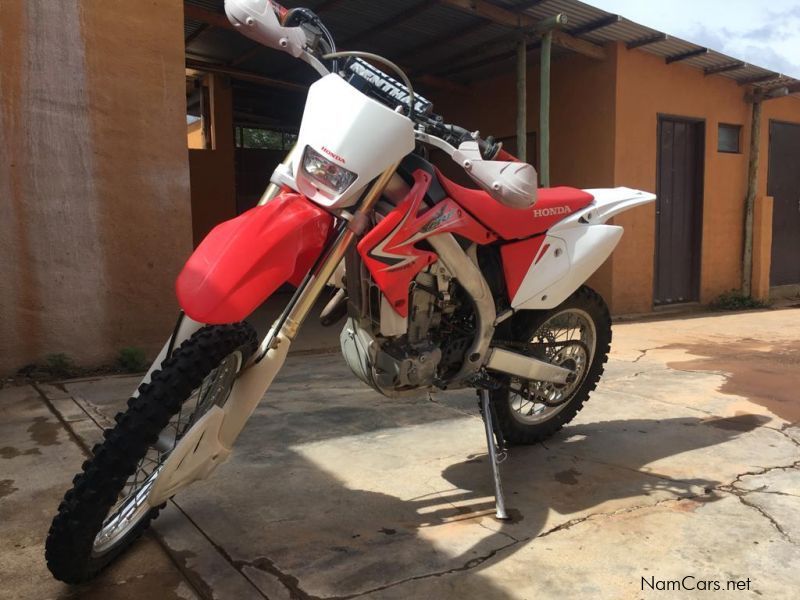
(575, 247)
(607, 203)
(566, 260)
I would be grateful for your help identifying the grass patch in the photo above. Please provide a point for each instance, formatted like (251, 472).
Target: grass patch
(132, 360)
(59, 365)
(736, 300)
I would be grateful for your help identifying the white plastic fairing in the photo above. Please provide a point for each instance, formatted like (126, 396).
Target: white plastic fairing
(257, 20)
(353, 131)
(611, 202)
(566, 261)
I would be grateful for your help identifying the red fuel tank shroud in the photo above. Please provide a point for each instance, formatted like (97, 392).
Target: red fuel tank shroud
(389, 249)
(241, 262)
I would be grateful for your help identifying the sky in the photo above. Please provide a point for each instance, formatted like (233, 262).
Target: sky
(761, 32)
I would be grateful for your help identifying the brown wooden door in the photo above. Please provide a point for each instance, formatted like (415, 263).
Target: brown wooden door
(783, 184)
(679, 209)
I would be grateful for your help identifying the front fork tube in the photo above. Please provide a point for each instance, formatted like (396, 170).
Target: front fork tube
(496, 456)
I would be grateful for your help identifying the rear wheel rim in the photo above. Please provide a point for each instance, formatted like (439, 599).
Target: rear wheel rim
(534, 402)
(132, 506)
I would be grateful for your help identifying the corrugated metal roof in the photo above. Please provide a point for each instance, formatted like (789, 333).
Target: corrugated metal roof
(483, 49)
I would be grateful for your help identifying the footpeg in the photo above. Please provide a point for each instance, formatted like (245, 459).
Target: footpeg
(496, 455)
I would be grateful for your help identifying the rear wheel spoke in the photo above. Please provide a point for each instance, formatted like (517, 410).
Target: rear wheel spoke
(566, 339)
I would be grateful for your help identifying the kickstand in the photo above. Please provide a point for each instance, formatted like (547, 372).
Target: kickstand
(496, 456)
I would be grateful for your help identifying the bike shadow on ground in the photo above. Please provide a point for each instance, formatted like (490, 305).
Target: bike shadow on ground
(279, 514)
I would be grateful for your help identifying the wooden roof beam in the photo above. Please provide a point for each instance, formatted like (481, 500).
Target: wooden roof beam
(196, 13)
(759, 79)
(515, 20)
(646, 41)
(454, 36)
(492, 12)
(685, 55)
(245, 75)
(724, 68)
(578, 45)
(392, 21)
(595, 25)
(196, 33)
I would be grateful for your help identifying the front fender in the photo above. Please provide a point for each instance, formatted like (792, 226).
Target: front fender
(241, 262)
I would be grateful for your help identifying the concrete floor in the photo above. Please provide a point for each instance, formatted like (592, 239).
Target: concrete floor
(684, 463)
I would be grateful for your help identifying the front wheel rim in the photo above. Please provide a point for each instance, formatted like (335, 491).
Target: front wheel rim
(133, 506)
(534, 402)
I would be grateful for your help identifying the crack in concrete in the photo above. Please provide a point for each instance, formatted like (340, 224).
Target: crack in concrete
(642, 354)
(500, 532)
(782, 431)
(726, 488)
(621, 511)
(761, 471)
(469, 565)
(767, 516)
(222, 551)
(289, 582)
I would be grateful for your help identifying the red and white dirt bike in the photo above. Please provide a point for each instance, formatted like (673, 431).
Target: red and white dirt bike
(441, 286)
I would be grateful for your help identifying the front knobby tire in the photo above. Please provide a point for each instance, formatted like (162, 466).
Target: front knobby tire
(73, 550)
(519, 428)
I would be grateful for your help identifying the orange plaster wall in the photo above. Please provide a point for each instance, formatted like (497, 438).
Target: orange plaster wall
(94, 190)
(647, 87)
(604, 117)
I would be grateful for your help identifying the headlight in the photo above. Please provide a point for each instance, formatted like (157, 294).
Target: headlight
(326, 174)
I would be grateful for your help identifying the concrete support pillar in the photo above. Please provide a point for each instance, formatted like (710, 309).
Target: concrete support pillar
(762, 247)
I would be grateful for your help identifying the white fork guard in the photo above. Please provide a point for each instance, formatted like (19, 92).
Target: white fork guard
(209, 442)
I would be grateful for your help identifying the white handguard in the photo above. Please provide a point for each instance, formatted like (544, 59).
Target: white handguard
(257, 20)
(511, 183)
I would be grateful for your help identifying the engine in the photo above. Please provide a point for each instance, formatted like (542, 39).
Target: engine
(397, 355)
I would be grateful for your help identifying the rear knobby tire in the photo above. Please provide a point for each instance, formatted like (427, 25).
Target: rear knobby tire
(70, 547)
(514, 429)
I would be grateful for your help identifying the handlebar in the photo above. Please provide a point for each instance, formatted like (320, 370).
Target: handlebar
(455, 136)
(301, 33)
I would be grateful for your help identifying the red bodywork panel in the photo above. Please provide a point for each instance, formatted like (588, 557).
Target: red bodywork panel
(552, 205)
(517, 259)
(241, 262)
(388, 249)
